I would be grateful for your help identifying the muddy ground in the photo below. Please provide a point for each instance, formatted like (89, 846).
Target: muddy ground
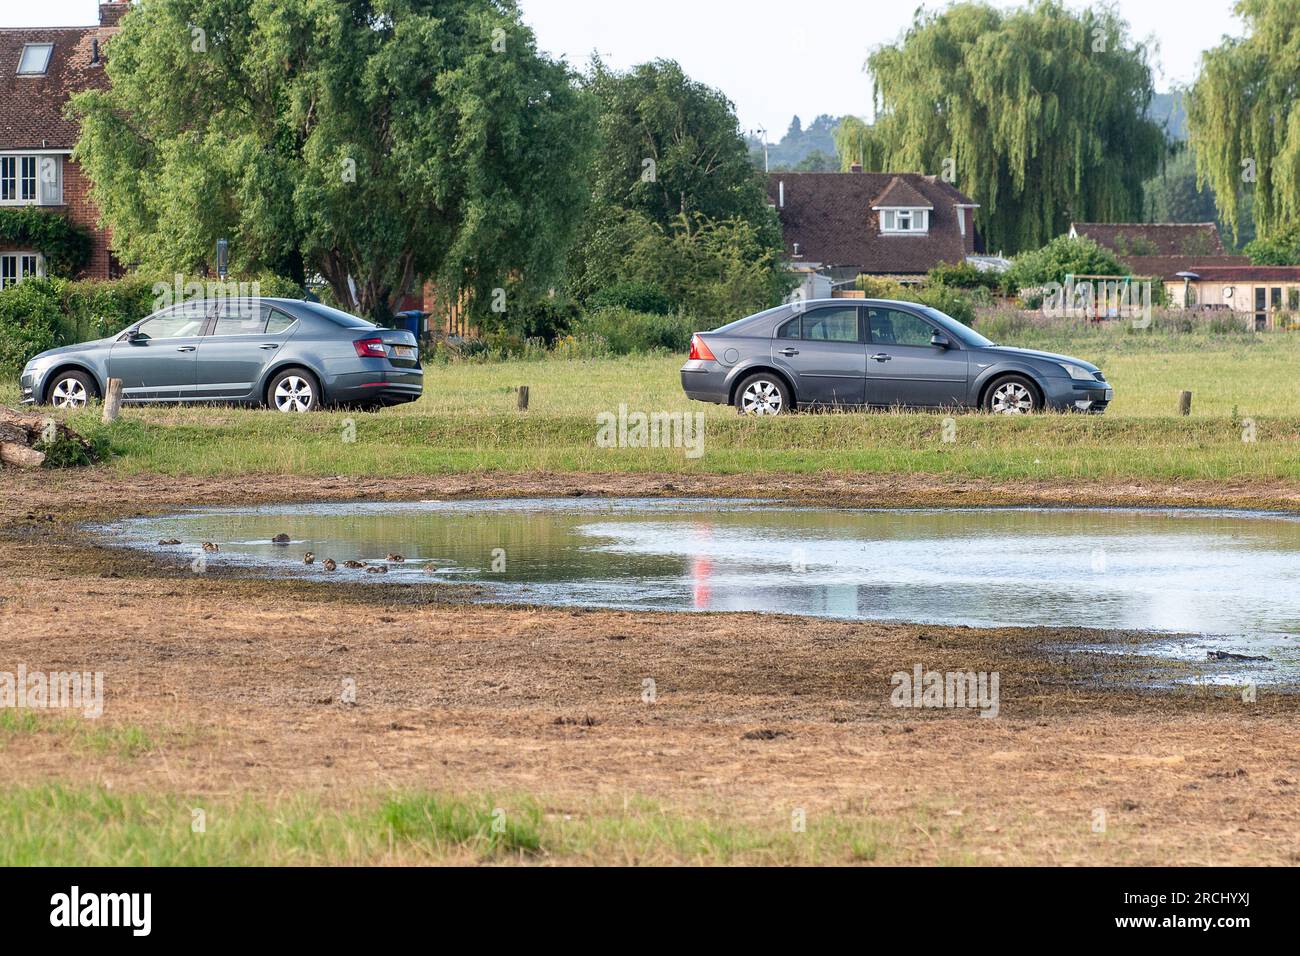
(239, 683)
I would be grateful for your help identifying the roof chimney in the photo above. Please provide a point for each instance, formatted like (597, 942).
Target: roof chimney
(111, 11)
(855, 168)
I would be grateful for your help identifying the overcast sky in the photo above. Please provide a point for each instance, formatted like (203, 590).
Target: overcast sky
(773, 58)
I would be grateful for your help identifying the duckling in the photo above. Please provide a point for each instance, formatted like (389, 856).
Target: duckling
(330, 565)
(354, 565)
(169, 543)
(377, 569)
(309, 558)
(281, 539)
(396, 558)
(211, 548)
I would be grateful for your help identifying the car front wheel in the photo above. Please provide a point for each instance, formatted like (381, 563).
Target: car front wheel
(71, 390)
(294, 390)
(1012, 395)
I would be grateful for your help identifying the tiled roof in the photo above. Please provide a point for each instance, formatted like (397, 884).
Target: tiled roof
(31, 107)
(1158, 238)
(1168, 267)
(829, 216)
(1210, 273)
(899, 194)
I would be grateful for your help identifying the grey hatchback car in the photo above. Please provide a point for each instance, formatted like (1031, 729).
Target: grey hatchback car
(290, 355)
(863, 353)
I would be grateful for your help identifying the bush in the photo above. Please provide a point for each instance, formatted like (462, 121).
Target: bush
(29, 318)
(634, 295)
(965, 276)
(627, 331)
(1061, 257)
(954, 302)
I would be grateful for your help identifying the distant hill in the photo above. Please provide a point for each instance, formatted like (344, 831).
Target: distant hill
(801, 147)
(1169, 110)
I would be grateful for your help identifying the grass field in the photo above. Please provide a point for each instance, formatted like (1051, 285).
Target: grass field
(55, 825)
(467, 422)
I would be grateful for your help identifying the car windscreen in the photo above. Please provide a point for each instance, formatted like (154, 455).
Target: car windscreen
(336, 316)
(963, 333)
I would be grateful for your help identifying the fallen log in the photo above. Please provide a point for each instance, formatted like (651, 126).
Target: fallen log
(20, 431)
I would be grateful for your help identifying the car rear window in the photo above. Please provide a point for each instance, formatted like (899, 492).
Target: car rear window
(336, 316)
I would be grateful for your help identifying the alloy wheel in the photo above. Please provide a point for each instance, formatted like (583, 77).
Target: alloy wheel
(69, 393)
(761, 398)
(294, 394)
(1012, 398)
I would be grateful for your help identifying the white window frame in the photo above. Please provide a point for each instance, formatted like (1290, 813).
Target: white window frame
(892, 219)
(31, 179)
(19, 265)
(49, 57)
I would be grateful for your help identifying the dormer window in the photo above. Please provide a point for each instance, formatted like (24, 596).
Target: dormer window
(905, 220)
(35, 60)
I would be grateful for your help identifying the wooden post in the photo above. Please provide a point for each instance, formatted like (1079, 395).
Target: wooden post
(523, 398)
(1185, 403)
(113, 400)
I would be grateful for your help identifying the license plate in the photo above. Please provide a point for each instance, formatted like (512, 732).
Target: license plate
(1110, 394)
(404, 351)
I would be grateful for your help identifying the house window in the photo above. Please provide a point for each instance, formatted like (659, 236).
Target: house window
(17, 266)
(35, 59)
(905, 220)
(31, 180)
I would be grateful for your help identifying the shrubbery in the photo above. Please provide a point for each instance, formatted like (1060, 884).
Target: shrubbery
(954, 302)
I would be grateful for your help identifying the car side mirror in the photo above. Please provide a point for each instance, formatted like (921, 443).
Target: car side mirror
(136, 337)
(940, 341)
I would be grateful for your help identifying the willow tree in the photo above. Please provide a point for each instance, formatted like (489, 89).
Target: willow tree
(1244, 119)
(1038, 114)
(376, 142)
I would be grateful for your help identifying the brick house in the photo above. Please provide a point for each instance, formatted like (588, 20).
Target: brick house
(40, 68)
(894, 225)
(1160, 250)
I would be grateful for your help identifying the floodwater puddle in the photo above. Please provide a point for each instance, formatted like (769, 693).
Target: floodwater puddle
(1202, 582)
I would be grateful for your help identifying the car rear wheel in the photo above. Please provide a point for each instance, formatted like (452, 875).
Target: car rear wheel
(294, 390)
(71, 390)
(1012, 395)
(764, 394)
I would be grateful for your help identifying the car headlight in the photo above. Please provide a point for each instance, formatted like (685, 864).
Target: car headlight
(1078, 373)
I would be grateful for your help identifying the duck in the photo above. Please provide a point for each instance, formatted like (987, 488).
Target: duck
(330, 565)
(169, 543)
(309, 558)
(377, 569)
(211, 548)
(354, 565)
(396, 558)
(281, 539)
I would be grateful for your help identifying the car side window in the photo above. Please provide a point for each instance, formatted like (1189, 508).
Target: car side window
(791, 329)
(183, 321)
(239, 318)
(277, 322)
(832, 325)
(893, 327)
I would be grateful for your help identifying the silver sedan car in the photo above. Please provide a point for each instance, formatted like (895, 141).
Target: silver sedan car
(289, 355)
(866, 353)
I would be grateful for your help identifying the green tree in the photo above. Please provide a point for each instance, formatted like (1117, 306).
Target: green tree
(1040, 113)
(1061, 257)
(1244, 120)
(377, 141)
(669, 146)
(1282, 249)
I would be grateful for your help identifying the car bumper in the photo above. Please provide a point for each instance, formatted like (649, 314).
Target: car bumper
(385, 387)
(27, 389)
(1071, 396)
(705, 382)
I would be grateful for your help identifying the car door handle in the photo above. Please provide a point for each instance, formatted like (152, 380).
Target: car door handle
(882, 357)
(187, 348)
(268, 346)
(789, 353)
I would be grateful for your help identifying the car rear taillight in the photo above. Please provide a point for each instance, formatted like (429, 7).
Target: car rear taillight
(700, 351)
(371, 348)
